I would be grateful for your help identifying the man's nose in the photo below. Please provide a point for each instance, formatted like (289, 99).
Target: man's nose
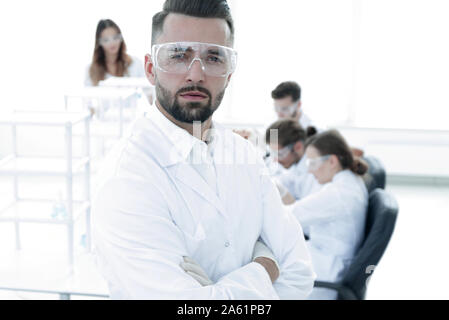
(195, 72)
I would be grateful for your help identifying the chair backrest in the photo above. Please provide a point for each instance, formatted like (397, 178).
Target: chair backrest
(380, 222)
(376, 176)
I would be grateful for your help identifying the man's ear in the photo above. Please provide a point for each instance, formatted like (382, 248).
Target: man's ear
(334, 160)
(228, 80)
(298, 147)
(299, 105)
(149, 70)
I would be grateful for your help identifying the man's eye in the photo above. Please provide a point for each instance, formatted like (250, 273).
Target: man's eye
(178, 56)
(214, 59)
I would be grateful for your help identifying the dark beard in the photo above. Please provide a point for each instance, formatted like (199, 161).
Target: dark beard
(192, 111)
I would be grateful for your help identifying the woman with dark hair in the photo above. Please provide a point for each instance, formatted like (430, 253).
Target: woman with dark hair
(110, 58)
(335, 215)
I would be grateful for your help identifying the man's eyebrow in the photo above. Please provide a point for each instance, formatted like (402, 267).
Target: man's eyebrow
(215, 51)
(181, 49)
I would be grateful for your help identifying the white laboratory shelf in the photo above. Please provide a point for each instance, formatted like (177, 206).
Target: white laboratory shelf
(15, 165)
(50, 166)
(126, 82)
(43, 118)
(39, 211)
(101, 93)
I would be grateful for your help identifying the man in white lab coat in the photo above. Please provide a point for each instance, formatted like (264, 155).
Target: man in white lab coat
(289, 150)
(182, 206)
(288, 105)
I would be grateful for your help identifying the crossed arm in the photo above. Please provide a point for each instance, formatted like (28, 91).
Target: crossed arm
(143, 264)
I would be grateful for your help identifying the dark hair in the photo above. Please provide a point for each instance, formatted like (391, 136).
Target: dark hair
(194, 8)
(332, 142)
(287, 89)
(289, 131)
(97, 70)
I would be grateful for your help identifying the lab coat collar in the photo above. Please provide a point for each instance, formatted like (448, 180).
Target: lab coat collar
(342, 175)
(181, 142)
(174, 156)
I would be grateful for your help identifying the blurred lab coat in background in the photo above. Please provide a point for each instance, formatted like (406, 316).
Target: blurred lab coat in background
(335, 220)
(298, 181)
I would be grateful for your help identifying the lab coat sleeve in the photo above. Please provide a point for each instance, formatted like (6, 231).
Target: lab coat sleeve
(139, 249)
(321, 206)
(284, 236)
(288, 181)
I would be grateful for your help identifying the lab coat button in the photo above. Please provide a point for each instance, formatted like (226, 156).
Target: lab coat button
(227, 244)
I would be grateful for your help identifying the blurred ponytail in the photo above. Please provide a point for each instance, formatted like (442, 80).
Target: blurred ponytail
(359, 166)
(311, 131)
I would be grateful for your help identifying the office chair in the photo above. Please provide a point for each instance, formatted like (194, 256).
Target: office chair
(376, 175)
(380, 222)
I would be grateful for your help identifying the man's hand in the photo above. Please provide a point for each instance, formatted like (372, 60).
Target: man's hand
(263, 255)
(286, 196)
(195, 271)
(357, 152)
(246, 134)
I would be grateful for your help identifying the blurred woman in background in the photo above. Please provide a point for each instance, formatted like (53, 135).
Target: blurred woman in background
(335, 215)
(110, 57)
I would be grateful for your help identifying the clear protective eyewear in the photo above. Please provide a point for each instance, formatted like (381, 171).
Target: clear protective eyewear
(285, 151)
(287, 111)
(315, 163)
(114, 39)
(178, 57)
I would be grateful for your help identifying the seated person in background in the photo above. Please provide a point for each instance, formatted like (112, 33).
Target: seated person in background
(296, 182)
(110, 58)
(287, 103)
(335, 215)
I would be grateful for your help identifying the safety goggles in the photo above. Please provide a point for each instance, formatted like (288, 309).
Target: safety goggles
(315, 163)
(285, 151)
(287, 111)
(178, 57)
(108, 40)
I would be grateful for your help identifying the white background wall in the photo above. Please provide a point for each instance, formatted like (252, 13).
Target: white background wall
(374, 63)
(363, 63)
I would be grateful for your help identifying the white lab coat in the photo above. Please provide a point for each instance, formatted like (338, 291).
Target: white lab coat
(335, 219)
(136, 70)
(305, 121)
(298, 181)
(153, 208)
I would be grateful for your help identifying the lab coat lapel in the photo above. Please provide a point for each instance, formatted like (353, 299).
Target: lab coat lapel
(184, 173)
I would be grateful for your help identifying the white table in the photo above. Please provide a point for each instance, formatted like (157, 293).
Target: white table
(124, 98)
(131, 82)
(47, 273)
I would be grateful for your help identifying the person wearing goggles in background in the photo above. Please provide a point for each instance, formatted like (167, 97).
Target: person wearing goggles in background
(110, 58)
(287, 103)
(177, 217)
(334, 216)
(289, 151)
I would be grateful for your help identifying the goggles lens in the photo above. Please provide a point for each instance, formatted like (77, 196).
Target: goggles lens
(178, 57)
(113, 39)
(284, 152)
(286, 111)
(315, 163)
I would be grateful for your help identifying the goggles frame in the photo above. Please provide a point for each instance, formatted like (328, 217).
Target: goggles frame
(155, 49)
